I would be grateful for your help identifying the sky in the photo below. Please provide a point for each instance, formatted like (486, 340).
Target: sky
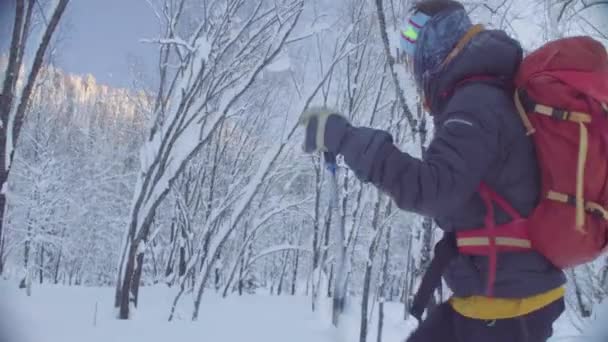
(102, 37)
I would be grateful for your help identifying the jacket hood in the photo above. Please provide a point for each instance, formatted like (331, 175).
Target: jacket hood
(490, 53)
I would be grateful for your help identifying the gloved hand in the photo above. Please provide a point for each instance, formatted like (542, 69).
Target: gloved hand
(324, 130)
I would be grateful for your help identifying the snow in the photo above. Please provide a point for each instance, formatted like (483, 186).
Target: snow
(279, 248)
(242, 204)
(597, 330)
(64, 314)
(75, 314)
(320, 26)
(172, 41)
(203, 49)
(282, 63)
(394, 41)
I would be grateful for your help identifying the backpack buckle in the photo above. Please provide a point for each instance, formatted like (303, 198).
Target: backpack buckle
(560, 114)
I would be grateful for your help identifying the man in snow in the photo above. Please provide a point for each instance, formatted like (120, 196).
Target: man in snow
(465, 74)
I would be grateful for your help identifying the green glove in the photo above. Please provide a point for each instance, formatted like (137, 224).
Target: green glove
(324, 130)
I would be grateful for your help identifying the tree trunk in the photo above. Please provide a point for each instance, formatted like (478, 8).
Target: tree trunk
(41, 264)
(365, 302)
(604, 277)
(173, 241)
(58, 261)
(408, 276)
(2, 204)
(380, 320)
(137, 278)
(330, 281)
(217, 278)
(127, 287)
(583, 309)
(383, 281)
(247, 253)
(28, 282)
(6, 105)
(426, 254)
(217, 273)
(283, 270)
(410, 286)
(182, 288)
(294, 276)
(316, 248)
(26, 257)
(368, 270)
(57, 264)
(241, 273)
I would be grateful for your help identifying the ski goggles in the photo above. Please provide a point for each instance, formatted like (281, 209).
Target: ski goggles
(409, 34)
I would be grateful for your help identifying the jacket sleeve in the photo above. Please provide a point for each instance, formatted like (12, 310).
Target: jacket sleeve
(453, 166)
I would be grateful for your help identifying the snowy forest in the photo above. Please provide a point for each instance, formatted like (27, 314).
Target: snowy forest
(198, 187)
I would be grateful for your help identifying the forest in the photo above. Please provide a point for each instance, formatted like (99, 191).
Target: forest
(199, 184)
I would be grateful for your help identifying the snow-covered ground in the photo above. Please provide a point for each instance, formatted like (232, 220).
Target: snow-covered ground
(67, 314)
(81, 314)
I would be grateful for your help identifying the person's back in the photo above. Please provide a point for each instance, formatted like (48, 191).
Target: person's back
(479, 80)
(466, 75)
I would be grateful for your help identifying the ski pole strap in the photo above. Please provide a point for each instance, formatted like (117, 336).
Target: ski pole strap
(445, 251)
(330, 161)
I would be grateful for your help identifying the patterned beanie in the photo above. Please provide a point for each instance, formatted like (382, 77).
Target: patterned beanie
(429, 40)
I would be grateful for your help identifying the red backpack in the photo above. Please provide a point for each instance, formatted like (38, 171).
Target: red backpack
(562, 97)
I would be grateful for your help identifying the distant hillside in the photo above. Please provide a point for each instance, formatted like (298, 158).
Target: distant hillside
(84, 100)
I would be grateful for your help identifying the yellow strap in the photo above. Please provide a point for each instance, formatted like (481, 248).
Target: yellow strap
(580, 177)
(475, 30)
(513, 242)
(475, 241)
(579, 117)
(557, 196)
(524, 116)
(500, 241)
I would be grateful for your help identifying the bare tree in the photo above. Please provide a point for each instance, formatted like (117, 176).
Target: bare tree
(217, 68)
(15, 98)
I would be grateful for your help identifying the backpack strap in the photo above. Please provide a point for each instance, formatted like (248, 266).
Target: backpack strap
(471, 33)
(492, 239)
(526, 105)
(488, 241)
(445, 251)
(583, 149)
(591, 207)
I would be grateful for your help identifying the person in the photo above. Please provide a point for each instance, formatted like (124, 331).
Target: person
(465, 74)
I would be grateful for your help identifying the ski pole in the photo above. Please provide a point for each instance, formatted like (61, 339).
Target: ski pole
(339, 284)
